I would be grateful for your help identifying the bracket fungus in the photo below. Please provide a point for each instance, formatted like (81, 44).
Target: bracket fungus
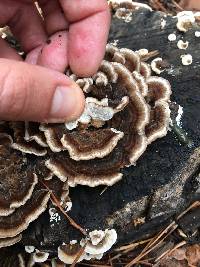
(94, 246)
(126, 110)
(123, 9)
(186, 20)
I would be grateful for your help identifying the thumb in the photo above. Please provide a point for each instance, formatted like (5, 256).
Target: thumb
(34, 93)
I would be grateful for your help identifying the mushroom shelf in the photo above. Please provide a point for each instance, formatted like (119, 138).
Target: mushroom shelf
(126, 110)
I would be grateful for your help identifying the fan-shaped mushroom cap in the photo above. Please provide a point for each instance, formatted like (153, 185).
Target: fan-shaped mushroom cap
(24, 203)
(23, 145)
(20, 184)
(97, 243)
(29, 249)
(40, 256)
(19, 220)
(32, 134)
(99, 149)
(185, 20)
(126, 109)
(100, 241)
(6, 242)
(68, 253)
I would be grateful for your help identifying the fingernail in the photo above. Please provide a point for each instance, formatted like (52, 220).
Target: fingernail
(66, 104)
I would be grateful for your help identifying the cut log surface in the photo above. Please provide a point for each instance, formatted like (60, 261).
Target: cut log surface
(165, 179)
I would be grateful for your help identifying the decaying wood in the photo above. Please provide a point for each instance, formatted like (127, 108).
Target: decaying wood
(166, 179)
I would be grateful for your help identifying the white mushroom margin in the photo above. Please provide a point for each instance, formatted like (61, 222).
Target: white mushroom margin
(95, 245)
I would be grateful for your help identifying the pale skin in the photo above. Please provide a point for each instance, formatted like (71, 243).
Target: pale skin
(190, 4)
(73, 34)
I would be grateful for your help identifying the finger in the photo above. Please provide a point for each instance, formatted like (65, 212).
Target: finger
(27, 26)
(77, 10)
(7, 52)
(34, 93)
(190, 4)
(54, 54)
(33, 55)
(54, 18)
(87, 44)
(87, 34)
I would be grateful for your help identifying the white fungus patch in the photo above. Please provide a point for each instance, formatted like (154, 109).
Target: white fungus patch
(99, 241)
(125, 13)
(185, 20)
(142, 52)
(95, 245)
(197, 34)
(54, 216)
(96, 236)
(172, 37)
(154, 65)
(97, 110)
(29, 249)
(128, 18)
(163, 23)
(179, 116)
(68, 206)
(182, 45)
(186, 59)
(115, 42)
(3, 32)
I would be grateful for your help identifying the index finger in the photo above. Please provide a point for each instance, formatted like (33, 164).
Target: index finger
(88, 33)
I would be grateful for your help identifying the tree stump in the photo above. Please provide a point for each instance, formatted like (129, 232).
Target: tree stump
(165, 179)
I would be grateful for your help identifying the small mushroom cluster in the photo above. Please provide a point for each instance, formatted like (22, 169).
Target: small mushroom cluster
(186, 19)
(94, 247)
(126, 110)
(23, 198)
(123, 9)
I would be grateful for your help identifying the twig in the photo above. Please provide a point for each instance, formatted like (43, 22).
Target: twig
(126, 249)
(167, 253)
(133, 245)
(145, 263)
(149, 246)
(194, 205)
(177, 5)
(151, 243)
(150, 55)
(110, 261)
(80, 253)
(157, 5)
(71, 221)
(103, 190)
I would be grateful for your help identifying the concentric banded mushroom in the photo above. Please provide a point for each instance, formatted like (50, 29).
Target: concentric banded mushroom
(126, 109)
(22, 197)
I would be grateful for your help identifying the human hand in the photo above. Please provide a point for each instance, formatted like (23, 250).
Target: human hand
(190, 4)
(73, 33)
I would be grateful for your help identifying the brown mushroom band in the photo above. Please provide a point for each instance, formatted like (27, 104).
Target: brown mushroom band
(126, 109)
